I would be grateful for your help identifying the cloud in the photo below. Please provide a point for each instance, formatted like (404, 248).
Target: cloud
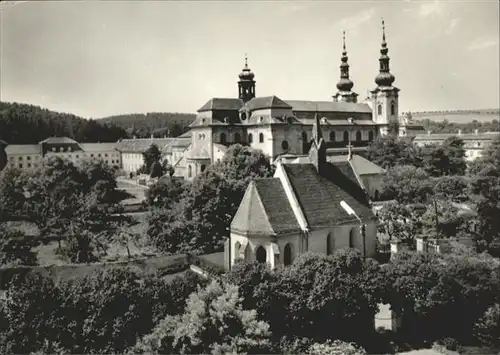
(427, 9)
(482, 43)
(353, 22)
(452, 26)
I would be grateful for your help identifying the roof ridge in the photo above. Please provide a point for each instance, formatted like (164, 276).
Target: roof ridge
(263, 207)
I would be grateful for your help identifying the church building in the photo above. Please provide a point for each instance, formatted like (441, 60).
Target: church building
(284, 127)
(299, 210)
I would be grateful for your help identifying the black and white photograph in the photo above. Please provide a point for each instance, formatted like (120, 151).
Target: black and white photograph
(250, 177)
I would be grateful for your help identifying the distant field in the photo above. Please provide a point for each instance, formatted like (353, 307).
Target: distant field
(456, 117)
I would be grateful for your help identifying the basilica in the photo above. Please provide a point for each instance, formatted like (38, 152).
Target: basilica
(281, 127)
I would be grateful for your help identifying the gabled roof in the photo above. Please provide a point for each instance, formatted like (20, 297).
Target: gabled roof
(222, 104)
(22, 149)
(265, 210)
(266, 102)
(329, 106)
(319, 196)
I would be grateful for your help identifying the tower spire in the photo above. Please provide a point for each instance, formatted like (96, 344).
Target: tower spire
(246, 84)
(384, 78)
(345, 84)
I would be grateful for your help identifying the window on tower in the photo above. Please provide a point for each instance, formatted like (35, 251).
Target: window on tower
(379, 109)
(261, 138)
(370, 136)
(250, 138)
(393, 108)
(332, 136)
(223, 138)
(358, 136)
(346, 137)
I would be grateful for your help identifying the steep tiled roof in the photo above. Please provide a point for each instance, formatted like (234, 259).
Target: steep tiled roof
(222, 104)
(23, 149)
(98, 147)
(328, 106)
(265, 210)
(188, 134)
(266, 102)
(59, 140)
(360, 164)
(346, 168)
(140, 145)
(320, 196)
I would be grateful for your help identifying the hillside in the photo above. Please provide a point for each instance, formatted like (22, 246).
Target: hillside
(158, 123)
(29, 124)
(458, 116)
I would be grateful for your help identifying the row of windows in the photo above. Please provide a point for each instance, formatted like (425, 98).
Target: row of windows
(36, 157)
(345, 137)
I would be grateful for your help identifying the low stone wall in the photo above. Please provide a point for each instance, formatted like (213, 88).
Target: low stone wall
(165, 265)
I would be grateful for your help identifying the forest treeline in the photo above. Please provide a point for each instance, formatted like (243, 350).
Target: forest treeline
(30, 124)
(157, 123)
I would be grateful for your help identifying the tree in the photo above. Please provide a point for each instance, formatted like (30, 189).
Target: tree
(156, 170)
(406, 184)
(200, 221)
(152, 155)
(428, 289)
(213, 322)
(487, 328)
(389, 151)
(165, 193)
(15, 249)
(435, 160)
(12, 198)
(454, 149)
(452, 188)
(401, 221)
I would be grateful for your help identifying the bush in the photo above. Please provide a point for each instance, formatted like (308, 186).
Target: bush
(449, 343)
(105, 312)
(487, 328)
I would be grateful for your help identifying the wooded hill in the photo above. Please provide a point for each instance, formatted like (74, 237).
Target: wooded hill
(156, 123)
(29, 124)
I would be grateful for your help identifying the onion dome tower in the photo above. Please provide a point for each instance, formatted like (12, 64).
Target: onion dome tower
(246, 84)
(345, 85)
(385, 96)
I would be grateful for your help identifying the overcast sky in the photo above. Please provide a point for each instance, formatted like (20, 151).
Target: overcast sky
(98, 58)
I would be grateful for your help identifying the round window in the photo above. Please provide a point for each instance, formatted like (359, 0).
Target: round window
(243, 116)
(284, 145)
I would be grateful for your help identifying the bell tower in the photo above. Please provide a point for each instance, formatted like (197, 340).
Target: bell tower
(246, 84)
(385, 96)
(345, 84)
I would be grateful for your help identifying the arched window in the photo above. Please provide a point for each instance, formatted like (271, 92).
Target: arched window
(332, 136)
(236, 250)
(304, 137)
(379, 109)
(351, 238)
(261, 254)
(250, 138)
(190, 171)
(237, 138)
(288, 254)
(393, 108)
(203, 167)
(346, 137)
(358, 136)
(284, 145)
(261, 138)
(223, 138)
(370, 136)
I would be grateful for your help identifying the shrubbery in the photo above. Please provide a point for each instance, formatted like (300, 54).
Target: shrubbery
(105, 312)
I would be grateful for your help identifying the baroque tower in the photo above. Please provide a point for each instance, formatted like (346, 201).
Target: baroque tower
(385, 96)
(246, 84)
(345, 85)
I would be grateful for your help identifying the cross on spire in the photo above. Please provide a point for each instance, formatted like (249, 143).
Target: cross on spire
(383, 30)
(343, 40)
(246, 61)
